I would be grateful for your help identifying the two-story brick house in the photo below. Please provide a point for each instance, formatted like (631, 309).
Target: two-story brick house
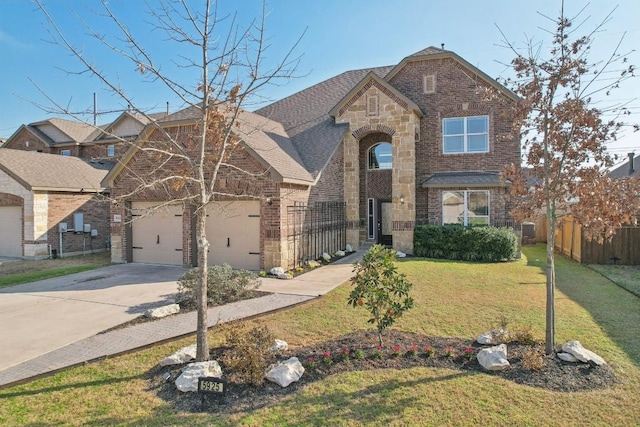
(422, 141)
(39, 190)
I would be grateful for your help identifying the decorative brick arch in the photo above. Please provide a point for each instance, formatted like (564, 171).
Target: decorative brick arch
(7, 199)
(369, 128)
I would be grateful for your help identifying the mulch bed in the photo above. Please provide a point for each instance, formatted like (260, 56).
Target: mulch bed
(556, 375)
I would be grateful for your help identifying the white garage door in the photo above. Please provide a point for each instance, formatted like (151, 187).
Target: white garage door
(11, 231)
(156, 237)
(233, 230)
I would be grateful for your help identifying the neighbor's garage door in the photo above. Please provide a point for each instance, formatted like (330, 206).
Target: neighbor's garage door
(156, 237)
(233, 230)
(11, 231)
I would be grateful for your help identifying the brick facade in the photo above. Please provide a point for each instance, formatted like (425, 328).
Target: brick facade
(248, 180)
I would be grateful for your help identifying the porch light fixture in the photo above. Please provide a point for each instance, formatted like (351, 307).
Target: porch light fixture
(269, 200)
(402, 199)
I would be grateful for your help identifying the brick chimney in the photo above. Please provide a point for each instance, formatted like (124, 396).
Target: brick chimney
(631, 169)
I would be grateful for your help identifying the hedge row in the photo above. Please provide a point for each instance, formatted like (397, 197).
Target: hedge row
(455, 242)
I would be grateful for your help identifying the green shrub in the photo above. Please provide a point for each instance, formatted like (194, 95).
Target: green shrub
(224, 285)
(474, 243)
(248, 354)
(380, 288)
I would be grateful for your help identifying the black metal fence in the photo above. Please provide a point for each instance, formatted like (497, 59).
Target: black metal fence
(313, 230)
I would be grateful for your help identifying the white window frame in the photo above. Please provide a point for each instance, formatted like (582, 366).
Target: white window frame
(373, 147)
(465, 212)
(465, 135)
(65, 152)
(111, 150)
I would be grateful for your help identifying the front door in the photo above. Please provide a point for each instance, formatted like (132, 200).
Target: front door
(385, 223)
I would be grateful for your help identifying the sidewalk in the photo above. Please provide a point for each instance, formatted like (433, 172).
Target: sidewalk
(285, 293)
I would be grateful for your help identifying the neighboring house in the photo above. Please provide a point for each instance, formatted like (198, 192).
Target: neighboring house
(38, 192)
(629, 168)
(77, 139)
(423, 141)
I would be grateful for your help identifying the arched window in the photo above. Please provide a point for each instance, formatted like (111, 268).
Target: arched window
(380, 156)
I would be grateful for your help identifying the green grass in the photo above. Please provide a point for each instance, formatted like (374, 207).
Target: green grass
(17, 279)
(626, 276)
(452, 299)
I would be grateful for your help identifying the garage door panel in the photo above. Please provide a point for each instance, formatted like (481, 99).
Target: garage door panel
(11, 231)
(233, 231)
(156, 236)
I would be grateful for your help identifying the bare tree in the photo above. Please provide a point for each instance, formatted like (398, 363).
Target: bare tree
(565, 129)
(185, 162)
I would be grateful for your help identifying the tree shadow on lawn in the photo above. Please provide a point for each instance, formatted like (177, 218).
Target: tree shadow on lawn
(614, 309)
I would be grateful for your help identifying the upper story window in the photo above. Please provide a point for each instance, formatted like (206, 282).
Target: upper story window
(469, 207)
(65, 152)
(380, 156)
(111, 150)
(465, 135)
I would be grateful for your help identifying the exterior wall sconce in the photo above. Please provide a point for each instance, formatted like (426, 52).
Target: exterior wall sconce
(402, 199)
(269, 200)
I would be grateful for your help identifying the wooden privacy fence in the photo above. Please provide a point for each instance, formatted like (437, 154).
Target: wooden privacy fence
(313, 230)
(623, 248)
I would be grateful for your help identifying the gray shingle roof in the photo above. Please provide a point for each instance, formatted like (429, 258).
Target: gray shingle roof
(622, 171)
(266, 138)
(51, 171)
(76, 131)
(463, 179)
(431, 50)
(305, 116)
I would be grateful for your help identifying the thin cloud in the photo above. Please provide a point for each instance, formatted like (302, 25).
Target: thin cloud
(8, 40)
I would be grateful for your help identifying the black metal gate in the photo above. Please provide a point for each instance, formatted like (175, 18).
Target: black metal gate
(315, 229)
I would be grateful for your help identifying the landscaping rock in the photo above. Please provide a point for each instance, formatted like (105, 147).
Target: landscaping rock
(184, 355)
(340, 253)
(400, 254)
(279, 345)
(567, 357)
(284, 373)
(276, 271)
(285, 276)
(491, 338)
(313, 263)
(188, 379)
(326, 256)
(165, 310)
(581, 353)
(348, 248)
(494, 358)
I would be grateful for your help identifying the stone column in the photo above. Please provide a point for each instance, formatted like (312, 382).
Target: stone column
(352, 189)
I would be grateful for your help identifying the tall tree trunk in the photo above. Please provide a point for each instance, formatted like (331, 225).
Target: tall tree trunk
(202, 340)
(550, 331)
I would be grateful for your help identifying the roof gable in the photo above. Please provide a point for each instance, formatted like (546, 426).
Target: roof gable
(371, 79)
(265, 139)
(431, 53)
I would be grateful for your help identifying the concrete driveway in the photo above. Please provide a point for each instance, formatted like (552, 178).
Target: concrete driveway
(39, 317)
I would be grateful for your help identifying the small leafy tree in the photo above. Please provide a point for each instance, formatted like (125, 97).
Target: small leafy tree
(565, 126)
(380, 288)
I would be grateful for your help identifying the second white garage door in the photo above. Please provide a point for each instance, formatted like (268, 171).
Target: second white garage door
(233, 231)
(11, 231)
(156, 237)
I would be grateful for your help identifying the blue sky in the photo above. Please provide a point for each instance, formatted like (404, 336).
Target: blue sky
(340, 35)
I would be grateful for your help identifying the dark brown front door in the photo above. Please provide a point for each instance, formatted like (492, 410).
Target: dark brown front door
(385, 223)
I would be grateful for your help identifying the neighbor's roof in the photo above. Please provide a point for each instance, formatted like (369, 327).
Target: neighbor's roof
(52, 172)
(622, 171)
(464, 179)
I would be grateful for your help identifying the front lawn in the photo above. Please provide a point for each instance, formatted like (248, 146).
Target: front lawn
(451, 300)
